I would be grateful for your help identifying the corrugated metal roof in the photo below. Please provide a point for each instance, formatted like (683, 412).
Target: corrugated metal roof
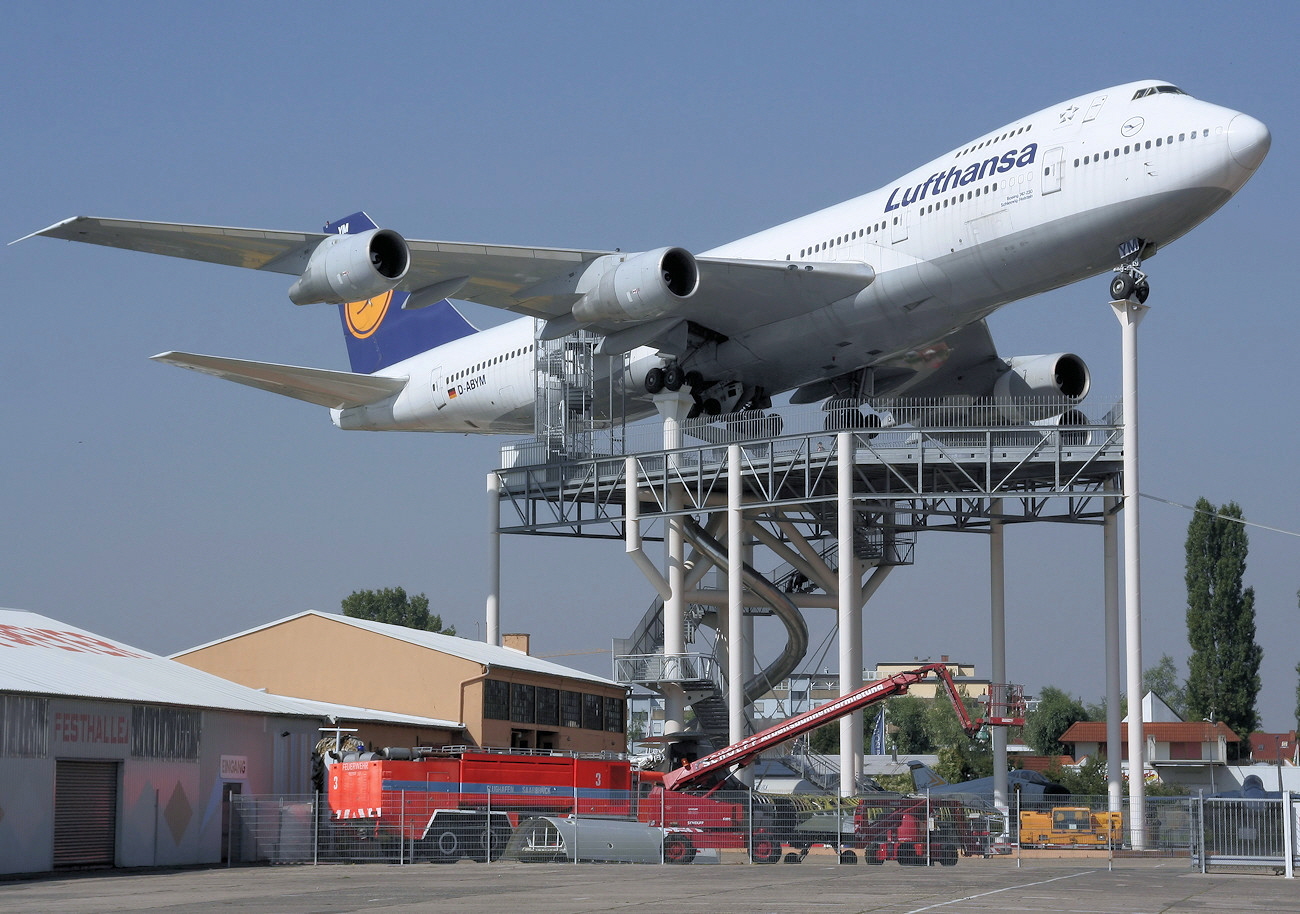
(476, 651)
(43, 656)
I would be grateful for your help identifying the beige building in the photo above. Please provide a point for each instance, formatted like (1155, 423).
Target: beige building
(502, 697)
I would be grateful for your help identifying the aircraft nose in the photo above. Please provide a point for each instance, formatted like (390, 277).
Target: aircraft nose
(1248, 141)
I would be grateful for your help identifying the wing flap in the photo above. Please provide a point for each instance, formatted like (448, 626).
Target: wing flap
(332, 389)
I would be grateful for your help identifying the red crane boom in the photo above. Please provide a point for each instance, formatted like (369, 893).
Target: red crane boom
(746, 750)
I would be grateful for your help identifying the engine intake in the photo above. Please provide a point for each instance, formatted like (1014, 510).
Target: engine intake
(637, 287)
(1041, 386)
(348, 268)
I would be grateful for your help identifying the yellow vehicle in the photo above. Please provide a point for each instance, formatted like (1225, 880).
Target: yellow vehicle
(1071, 825)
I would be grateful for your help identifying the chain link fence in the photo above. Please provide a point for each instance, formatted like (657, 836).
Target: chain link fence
(665, 827)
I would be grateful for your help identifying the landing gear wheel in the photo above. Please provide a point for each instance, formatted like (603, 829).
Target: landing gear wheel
(694, 380)
(674, 378)
(654, 380)
(1121, 287)
(1142, 289)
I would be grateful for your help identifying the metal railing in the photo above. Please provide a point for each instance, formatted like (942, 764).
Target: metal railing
(900, 419)
(653, 669)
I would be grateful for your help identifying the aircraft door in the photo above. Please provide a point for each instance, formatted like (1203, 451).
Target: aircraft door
(1053, 163)
(437, 383)
(900, 225)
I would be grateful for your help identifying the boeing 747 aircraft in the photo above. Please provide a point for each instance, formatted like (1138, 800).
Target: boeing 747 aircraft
(881, 296)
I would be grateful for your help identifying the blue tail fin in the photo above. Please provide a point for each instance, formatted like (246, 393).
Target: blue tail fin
(380, 332)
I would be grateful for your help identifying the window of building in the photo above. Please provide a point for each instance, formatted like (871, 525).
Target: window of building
(571, 709)
(593, 712)
(548, 707)
(614, 714)
(496, 700)
(523, 703)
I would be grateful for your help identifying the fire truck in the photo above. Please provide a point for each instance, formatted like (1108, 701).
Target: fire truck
(463, 802)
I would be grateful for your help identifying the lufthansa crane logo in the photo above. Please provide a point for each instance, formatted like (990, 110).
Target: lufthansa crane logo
(364, 317)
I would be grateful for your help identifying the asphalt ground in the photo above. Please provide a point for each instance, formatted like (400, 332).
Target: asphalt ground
(1076, 886)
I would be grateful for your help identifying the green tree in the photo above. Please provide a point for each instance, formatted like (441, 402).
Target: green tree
(1223, 670)
(1087, 780)
(393, 606)
(1163, 680)
(1055, 713)
(907, 725)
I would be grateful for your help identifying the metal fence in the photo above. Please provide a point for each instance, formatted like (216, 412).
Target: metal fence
(746, 827)
(1257, 833)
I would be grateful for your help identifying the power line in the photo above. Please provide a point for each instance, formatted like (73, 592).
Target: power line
(1236, 520)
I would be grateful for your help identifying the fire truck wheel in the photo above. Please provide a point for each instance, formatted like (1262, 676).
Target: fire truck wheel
(765, 850)
(871, 855)
(678, 850)
(793, 857)
(948, 855)
(848, 857)
(445, 847)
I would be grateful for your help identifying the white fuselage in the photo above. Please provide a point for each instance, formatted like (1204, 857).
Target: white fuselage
(1032, 206)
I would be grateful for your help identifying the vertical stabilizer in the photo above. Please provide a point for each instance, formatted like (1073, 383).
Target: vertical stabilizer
(380, 331)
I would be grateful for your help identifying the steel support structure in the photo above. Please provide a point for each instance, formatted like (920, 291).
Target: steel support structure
(804, 497)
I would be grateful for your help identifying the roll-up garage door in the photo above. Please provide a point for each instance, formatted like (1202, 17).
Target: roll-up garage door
(85, 813)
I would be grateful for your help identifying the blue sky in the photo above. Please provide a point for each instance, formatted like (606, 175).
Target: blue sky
(167, 509)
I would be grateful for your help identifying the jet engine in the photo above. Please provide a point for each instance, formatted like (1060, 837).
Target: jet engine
(619, 288)
(347, 268)
(1041, 386)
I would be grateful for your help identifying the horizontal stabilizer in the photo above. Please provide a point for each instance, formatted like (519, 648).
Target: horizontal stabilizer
(332, 389)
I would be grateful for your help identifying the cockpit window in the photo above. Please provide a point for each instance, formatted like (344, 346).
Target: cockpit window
(1157, 90)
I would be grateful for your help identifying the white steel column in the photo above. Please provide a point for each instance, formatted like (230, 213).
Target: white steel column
(850, 621)
(1130, 314)
(735, 600)
(493, 634)
(673, 407)
(1114, 719)
(998, 672)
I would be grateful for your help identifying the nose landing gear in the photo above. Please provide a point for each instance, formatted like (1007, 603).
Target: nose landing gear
(1130, 281)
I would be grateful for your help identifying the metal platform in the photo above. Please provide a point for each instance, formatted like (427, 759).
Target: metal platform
(908, 479)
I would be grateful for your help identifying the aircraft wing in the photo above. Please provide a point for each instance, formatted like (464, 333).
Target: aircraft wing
(733, 296)
(964, 361)
(332, 389)
(255, 249)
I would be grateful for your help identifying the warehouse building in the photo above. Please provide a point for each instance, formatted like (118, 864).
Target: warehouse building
(503, 697)
(113, 756)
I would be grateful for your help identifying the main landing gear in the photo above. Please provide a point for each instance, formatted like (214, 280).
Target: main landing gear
(671, 377)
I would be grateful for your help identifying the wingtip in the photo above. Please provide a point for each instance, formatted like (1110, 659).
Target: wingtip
(48, 229)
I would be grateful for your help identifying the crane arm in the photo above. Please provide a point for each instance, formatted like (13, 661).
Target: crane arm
(746, 750)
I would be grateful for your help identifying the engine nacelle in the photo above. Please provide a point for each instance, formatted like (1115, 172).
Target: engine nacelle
(347, 268)
(1040, 386)
(619, 288)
